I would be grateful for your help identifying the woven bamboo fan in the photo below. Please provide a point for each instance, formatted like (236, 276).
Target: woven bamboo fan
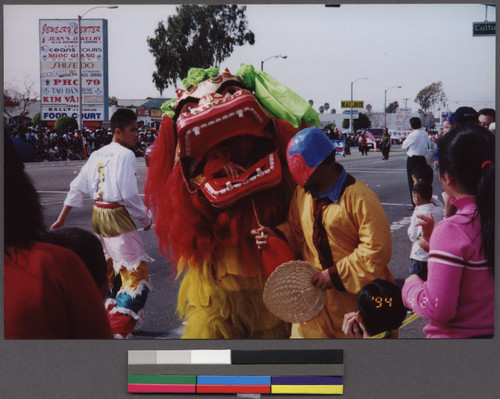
(290, 295)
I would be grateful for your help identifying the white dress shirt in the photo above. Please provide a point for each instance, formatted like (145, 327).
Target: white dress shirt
(110, 175)
(416, 143)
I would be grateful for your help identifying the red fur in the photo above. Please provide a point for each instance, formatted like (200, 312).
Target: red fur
(188, 226)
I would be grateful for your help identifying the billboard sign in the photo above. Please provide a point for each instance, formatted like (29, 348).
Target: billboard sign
(403, 116)
(347, 114)
(59, 80)
(355, 104)
(484, 28)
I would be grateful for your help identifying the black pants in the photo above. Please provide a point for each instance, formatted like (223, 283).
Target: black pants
(411, 162)
(385, 152)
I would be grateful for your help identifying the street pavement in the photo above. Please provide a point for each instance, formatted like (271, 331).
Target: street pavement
(386, 178)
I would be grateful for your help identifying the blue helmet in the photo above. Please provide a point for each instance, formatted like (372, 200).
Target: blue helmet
(306, 151)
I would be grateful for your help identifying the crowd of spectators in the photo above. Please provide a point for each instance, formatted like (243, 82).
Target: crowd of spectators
(47, 144)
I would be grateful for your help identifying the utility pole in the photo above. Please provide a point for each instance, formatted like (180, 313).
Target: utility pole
(385, 103)
(351, 124)
(406, 102)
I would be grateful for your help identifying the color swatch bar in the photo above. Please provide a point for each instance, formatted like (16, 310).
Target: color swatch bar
(226, 356)
(161, 388)
(308, 389)
(161, 379)
(287, 357)
(232, 380)
(180, 357)
(233, 384)
(298, 384)
(307, 380)
(233, 389)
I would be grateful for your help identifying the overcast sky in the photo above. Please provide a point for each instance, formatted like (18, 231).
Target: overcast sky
(326, 48)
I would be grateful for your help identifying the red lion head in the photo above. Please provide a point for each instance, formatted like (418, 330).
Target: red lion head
(217, 170)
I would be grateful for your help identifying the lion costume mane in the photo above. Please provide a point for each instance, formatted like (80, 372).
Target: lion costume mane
(217, 170)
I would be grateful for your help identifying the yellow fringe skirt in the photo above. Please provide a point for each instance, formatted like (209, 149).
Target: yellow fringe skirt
(228, 307)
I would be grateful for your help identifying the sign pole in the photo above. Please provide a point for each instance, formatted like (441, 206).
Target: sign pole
(352, 83)
(350, 125)
(385, 108)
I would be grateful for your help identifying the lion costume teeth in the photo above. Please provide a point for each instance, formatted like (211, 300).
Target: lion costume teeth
(204, 213)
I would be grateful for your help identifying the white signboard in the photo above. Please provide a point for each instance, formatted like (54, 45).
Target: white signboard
(347, 114)
(59, 80)
(403, 116)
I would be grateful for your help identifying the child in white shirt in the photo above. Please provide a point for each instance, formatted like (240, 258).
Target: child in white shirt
(422, 197)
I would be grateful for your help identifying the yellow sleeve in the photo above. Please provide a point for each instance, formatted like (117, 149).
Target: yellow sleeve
(291, 227)
(369, 259)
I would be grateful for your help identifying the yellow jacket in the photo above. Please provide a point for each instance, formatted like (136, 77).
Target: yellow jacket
(360, 240)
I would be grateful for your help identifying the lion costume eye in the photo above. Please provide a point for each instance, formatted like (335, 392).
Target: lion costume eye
(188, 107)
(230, 90)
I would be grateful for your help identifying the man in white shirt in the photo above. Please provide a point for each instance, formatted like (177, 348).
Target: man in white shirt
(416, 148)
(109, 177)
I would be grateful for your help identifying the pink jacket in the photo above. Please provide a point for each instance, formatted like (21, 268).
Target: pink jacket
(458, 296)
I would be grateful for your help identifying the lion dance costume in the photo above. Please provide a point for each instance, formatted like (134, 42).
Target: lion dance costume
(204, 210)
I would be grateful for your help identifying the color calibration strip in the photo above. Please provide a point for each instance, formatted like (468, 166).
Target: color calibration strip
(311, 372)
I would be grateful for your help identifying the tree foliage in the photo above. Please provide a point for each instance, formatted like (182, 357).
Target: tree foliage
(333, 111)
(369, 108)
(392, 107)
(326, 106)
(431, 95)
(363, 122)
(66, 123)
(329, 127)
(17, 98)
(36, 121)
(321, 109)
(199, 36)
(112, 101)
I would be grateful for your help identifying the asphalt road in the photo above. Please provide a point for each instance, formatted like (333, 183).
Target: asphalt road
(386, 178)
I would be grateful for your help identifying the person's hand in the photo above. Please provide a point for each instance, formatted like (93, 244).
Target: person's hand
(261, 235)
(427, 223)
(351, 327)
(413, 277)
(424, 244)
(322, 280)
(58, 223)
(233, 169)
